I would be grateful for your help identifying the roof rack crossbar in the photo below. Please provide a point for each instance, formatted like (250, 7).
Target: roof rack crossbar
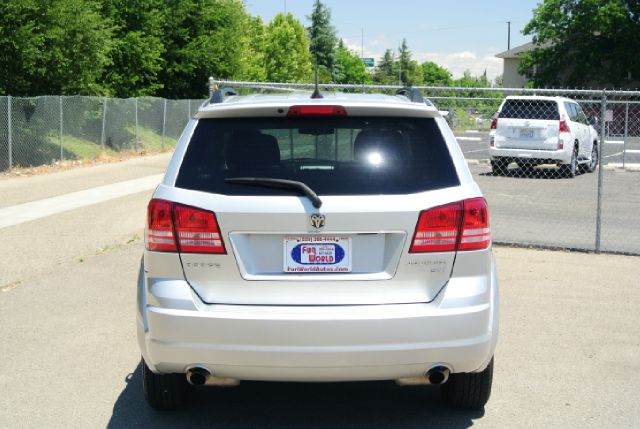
(219, 94)
(413, 94)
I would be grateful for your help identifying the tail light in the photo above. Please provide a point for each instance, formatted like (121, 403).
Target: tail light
(463, 225)
(437, 229)
(564, 127)
(175, 227)
(494, 122)
(475, 225)
(159, 232)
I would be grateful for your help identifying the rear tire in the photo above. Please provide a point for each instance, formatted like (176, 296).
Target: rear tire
(570, 170)
(591, 167)
(163, 391)
(499, 166)
(468, 390)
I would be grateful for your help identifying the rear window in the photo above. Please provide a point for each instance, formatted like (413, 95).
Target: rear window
(333, 156)
(530, 109)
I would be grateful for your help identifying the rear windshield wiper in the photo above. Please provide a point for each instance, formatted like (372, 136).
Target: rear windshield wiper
(278, 184)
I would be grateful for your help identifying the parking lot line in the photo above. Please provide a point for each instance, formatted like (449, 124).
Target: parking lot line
(615, 154)
(26, 212)
(614, 141)
(471, 139)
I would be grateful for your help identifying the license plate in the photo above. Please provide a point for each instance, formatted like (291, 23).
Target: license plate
(527, 134)
(317, 254)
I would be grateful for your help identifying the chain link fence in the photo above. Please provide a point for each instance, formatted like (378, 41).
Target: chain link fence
(42, 130)
(534, 201)
(537, 199)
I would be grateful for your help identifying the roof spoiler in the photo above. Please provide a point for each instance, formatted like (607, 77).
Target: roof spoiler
(218, 95)
(412, 94)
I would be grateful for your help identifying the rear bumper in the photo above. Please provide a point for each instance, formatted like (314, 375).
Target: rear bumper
(543, 156)
(323, 343)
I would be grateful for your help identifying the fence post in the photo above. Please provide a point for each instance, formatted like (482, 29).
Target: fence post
(626, 133)
(9, 132)
(164, 121)
(603, 113)
(104, 121)
(136, 142)
(61, 131)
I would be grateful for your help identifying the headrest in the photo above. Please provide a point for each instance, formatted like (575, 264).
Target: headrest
(250, 149)
(387, 143)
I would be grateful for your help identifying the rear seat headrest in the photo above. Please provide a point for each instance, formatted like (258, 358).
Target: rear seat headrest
(249, 148)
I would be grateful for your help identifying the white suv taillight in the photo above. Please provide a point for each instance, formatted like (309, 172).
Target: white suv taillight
(463, 225)
(196, 229)
(494, 122)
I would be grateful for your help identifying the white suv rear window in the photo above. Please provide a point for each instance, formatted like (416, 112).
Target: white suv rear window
(530, 109)
(333, 156)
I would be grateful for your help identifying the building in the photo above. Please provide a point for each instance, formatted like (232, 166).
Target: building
(510, 75)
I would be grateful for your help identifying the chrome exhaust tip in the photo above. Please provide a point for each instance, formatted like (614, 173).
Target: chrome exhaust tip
(198, 375)
(438, 374)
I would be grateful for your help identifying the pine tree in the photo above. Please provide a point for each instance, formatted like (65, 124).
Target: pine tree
(322, 37)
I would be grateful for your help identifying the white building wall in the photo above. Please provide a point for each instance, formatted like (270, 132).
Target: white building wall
(511, 77)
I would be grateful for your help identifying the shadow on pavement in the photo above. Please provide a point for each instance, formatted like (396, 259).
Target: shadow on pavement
(294, 405)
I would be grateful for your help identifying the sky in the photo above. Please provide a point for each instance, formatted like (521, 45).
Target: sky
(457, 34)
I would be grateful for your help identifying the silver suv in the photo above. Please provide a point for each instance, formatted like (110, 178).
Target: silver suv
(534, 130)
(317, 239)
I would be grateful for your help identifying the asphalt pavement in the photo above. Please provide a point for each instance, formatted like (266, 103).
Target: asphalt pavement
(568, 354)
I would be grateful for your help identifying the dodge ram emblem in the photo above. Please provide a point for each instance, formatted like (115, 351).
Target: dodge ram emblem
(317, 221)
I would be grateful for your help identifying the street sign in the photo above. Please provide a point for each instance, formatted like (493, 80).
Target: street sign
(368, 62)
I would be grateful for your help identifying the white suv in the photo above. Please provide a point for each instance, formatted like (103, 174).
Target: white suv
(305, 239)
(542, 130)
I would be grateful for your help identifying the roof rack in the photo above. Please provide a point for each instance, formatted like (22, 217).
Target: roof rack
(218, 95)
(412, 94)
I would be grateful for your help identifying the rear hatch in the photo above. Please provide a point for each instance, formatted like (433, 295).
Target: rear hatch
(347, 240)
(528, 124)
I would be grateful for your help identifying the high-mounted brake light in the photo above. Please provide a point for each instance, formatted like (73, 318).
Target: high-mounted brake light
(316, 110)
(463, 225)
(174, 227)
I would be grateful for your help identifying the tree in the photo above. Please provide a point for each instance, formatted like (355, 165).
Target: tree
(201, 39)
(137, 50)
(53, 47)
(386, 72)
(252, 63)
(435, 75)
(409, 70)
(349, 67)
(584, 43)
(287, 56)
(322, 37)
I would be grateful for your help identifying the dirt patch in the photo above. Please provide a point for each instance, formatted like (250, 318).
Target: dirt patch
(71, 164)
